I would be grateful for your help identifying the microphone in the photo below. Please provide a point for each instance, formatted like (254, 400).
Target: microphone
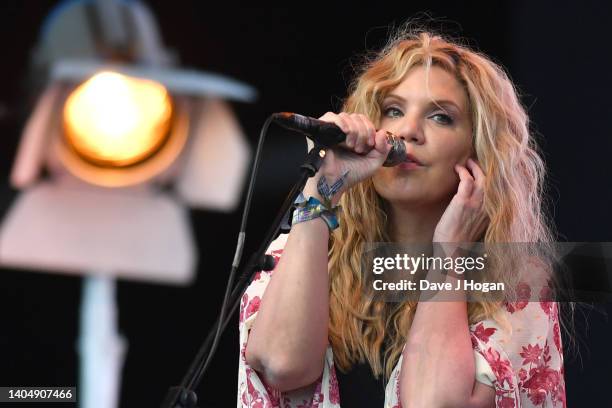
(328, 134)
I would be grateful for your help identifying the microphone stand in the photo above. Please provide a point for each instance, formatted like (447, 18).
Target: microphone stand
(184, 396)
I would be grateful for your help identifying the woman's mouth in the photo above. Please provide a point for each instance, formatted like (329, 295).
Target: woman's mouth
(410, 163)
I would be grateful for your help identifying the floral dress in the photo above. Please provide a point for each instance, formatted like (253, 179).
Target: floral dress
(523, 364)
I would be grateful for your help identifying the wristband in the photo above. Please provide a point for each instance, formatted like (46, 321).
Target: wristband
(312, 208)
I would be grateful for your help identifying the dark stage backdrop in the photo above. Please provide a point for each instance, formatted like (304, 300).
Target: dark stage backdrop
(300, 60)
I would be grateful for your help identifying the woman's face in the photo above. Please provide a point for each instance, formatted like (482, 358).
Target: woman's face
(434, 121)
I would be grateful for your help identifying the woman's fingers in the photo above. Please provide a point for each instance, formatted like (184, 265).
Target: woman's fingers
(381, 144)
(349, 129)
(471, 184)
(360, 132)
(370, 130)
(477, 172)
(479, 178)
(369, 146)
(338, 120)
(344, 124)
(361, 144)
(466, 182)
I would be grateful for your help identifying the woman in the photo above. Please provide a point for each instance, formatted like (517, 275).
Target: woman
(474, 176)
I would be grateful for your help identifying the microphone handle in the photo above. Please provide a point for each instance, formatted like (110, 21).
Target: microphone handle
(326, 134)
(329, 134)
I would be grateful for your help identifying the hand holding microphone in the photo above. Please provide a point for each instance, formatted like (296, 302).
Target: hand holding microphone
(328, 134)
(354, 146)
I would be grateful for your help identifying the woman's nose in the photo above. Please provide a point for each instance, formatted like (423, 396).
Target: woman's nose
(411, 131)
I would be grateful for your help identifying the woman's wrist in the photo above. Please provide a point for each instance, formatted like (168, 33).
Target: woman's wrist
(318, 201)
(311, 190)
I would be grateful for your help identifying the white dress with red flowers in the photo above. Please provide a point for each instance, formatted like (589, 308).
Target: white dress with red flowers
(523, 361)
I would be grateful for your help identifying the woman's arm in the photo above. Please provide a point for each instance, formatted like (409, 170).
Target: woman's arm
(438, 367)
(288, 340)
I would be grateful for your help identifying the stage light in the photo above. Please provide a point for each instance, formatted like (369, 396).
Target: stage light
(119, 145)
(116, 120)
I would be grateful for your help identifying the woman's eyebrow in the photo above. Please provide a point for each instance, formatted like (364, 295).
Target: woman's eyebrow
(444, 103)
(436, 102)
(395, 96)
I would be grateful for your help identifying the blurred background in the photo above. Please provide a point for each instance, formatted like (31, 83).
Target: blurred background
(301, 59)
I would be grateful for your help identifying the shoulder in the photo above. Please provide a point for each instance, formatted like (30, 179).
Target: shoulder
(249, 304)
(522, 346)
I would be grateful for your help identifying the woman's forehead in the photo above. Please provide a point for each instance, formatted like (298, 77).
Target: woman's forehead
(436, 83)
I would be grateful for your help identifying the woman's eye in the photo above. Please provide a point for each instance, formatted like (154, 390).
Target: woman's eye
(392, 112)
(442, 119)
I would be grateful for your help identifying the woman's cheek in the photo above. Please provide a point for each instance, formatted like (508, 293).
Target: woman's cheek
(445, 181)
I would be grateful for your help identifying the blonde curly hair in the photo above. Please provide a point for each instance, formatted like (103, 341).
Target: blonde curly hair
(513, 194)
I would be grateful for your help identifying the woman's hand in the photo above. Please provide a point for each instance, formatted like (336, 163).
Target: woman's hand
(363, 152)
(464, 220)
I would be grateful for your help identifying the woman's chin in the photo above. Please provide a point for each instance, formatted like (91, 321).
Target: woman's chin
(409, 199)
(415, 199)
